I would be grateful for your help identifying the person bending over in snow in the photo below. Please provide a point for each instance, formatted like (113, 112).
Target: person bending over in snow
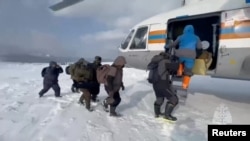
(50, 78)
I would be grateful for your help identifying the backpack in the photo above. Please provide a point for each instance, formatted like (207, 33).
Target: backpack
(82, 72)
(101, 73)
(88, 72)
(153, 75)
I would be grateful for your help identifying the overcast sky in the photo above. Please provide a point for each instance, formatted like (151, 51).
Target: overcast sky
(92, 27)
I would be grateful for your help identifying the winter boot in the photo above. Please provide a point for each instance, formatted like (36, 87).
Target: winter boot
(87, 97)
(112, 112)
(185, 82)
(168, 110)
(94, 98)
(81, 99)
(89, 109)
(40, 95)
(80, 102)
(157, 110)
(105, 105)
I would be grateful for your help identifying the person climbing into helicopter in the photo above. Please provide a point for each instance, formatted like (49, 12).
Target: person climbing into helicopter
(188, 43)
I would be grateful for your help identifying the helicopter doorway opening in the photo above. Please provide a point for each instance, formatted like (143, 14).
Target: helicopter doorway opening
(207, 27)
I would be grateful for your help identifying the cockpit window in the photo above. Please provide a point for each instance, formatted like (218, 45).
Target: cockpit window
(140, 39)
(125, 44)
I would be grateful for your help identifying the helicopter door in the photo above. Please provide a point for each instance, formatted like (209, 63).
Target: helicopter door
(234, 44)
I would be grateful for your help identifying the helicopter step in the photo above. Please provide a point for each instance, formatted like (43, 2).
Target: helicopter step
(180, 91)
(177, 85)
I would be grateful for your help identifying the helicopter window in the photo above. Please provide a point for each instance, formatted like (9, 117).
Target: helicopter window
(140, 39)
(125, 44)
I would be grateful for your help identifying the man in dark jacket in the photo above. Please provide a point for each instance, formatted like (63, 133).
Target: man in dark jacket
(163, 86)
(96, 86)
(50, 75)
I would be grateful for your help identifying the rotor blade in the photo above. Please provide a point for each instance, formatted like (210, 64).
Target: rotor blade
(64, 4)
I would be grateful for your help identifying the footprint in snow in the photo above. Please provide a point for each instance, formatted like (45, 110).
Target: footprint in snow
(14, 106)
(106, 136)
(70, 121)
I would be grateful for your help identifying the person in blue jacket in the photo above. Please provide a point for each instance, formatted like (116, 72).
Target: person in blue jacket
(188, 43)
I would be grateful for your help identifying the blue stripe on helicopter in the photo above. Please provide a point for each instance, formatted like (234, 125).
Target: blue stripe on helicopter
(235, 30)
(157, 37)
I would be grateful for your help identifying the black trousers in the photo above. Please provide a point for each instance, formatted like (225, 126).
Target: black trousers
(47, 86)
(116, 97)
(163, 89)
(74, 84)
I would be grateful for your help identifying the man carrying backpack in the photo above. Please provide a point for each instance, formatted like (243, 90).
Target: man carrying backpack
(160, 68)
(113, 81)
(82, 74)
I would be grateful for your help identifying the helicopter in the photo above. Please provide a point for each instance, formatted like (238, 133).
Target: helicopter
(225, 25)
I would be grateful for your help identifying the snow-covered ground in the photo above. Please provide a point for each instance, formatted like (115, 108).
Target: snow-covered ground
(25, 117)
